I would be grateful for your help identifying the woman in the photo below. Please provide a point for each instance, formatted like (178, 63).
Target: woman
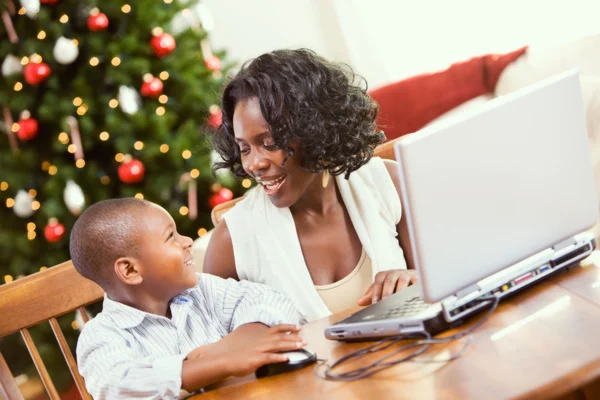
(292, 120)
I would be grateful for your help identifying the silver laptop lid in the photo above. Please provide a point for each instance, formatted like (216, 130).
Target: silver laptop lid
(485, 190)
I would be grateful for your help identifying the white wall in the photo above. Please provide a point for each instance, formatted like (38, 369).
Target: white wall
(249, 28)
(388, 40)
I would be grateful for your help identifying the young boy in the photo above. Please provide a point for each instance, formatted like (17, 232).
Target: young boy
(164, 328)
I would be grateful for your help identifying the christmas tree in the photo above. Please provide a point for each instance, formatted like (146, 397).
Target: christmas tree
(102, 99)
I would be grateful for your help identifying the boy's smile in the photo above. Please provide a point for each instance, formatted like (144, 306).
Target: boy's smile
(167, 262)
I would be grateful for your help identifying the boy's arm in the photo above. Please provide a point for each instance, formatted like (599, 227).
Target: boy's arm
(237, 303)
(112, 370)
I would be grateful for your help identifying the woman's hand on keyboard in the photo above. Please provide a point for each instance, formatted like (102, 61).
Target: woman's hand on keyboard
(387, 283)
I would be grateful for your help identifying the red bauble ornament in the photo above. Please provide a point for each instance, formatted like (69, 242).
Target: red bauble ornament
(221, 196)
(163, 44)
(36, 73)
(97, 22)
(215, 119)
(152, 87)
(49, 2)
(213, 63)
(131, 172)
(28, 129)
(54, 231)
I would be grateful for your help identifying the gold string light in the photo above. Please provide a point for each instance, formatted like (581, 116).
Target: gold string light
(32, 193)
(183, 210)
(116, 61)
(43, 268)
(31, 235)
(202, 232)
(139, 145)
(3, 186)
(119, 157)
(72, 148)
(113, 103)
(105, 180)
(164, 75)
(160, 111)
(94, 61)
(186, 154)
(45, 166)
(35, 205)
(80, 163)
(139, 196)
(64, 19)
(126, 8)
(163, 99)
(30, 226)
(164, 148)
(77, 101)
(41, 35)
(18, 86)
(10, 202)
(52, 170)
(24, 60)
(246, 183)
(104, 136)
(195, 173)
(8, 279)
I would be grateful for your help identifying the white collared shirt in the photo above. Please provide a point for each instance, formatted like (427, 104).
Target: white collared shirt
(127, 353)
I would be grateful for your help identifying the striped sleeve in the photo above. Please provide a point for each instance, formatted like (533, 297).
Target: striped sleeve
(237, 303)
(112, 371)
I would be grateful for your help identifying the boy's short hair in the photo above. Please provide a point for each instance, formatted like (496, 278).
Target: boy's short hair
(106, 231)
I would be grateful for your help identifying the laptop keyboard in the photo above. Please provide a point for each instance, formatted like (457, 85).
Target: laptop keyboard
(410, 307)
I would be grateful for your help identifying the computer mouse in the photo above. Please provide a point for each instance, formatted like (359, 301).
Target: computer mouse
(297, 360)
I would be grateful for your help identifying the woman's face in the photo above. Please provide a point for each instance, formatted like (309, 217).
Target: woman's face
(262, 160)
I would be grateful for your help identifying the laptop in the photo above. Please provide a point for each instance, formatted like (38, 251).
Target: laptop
(495, 201)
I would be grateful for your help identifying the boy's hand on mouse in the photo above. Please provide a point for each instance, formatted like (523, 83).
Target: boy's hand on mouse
(251, 346)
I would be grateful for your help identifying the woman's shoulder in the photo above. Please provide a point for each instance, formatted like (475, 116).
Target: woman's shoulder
(379, 172)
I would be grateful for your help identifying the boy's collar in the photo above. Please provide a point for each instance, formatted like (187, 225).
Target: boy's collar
(125, 317)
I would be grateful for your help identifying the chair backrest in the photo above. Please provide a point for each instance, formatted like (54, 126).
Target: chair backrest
(38, 298)
(385, 151)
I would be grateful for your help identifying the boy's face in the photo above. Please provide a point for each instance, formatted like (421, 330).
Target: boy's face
(167, 264)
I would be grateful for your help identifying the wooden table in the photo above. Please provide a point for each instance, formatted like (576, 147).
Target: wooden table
(542, 343)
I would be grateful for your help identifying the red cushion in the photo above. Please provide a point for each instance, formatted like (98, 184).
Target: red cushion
(408, 105)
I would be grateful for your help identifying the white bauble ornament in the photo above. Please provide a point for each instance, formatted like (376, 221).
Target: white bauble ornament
(65, 51)
(129, 100)
(32, 7)
(197, 15)
(11, 65)
(23, 204)
(73, 197)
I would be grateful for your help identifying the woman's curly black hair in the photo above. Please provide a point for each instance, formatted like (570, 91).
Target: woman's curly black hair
(307, 99)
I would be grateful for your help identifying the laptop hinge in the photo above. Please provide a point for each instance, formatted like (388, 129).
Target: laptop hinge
(564, 244)
(466, 291)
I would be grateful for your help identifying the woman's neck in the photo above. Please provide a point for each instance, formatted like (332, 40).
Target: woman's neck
(318, 199)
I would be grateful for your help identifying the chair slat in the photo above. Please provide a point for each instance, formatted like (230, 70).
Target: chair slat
(8, 387)
(38, 297)
(84, 315)
(39, 364)
(64, 347)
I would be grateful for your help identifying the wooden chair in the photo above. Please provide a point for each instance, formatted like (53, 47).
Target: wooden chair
(385, 151)
(38, 298)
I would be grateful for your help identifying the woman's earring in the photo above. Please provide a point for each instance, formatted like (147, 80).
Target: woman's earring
(325, 178)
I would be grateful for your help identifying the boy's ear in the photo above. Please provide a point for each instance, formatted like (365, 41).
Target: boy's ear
(128, 271)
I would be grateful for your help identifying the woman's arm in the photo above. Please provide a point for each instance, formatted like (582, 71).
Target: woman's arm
(219, 259)
(402, 227)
